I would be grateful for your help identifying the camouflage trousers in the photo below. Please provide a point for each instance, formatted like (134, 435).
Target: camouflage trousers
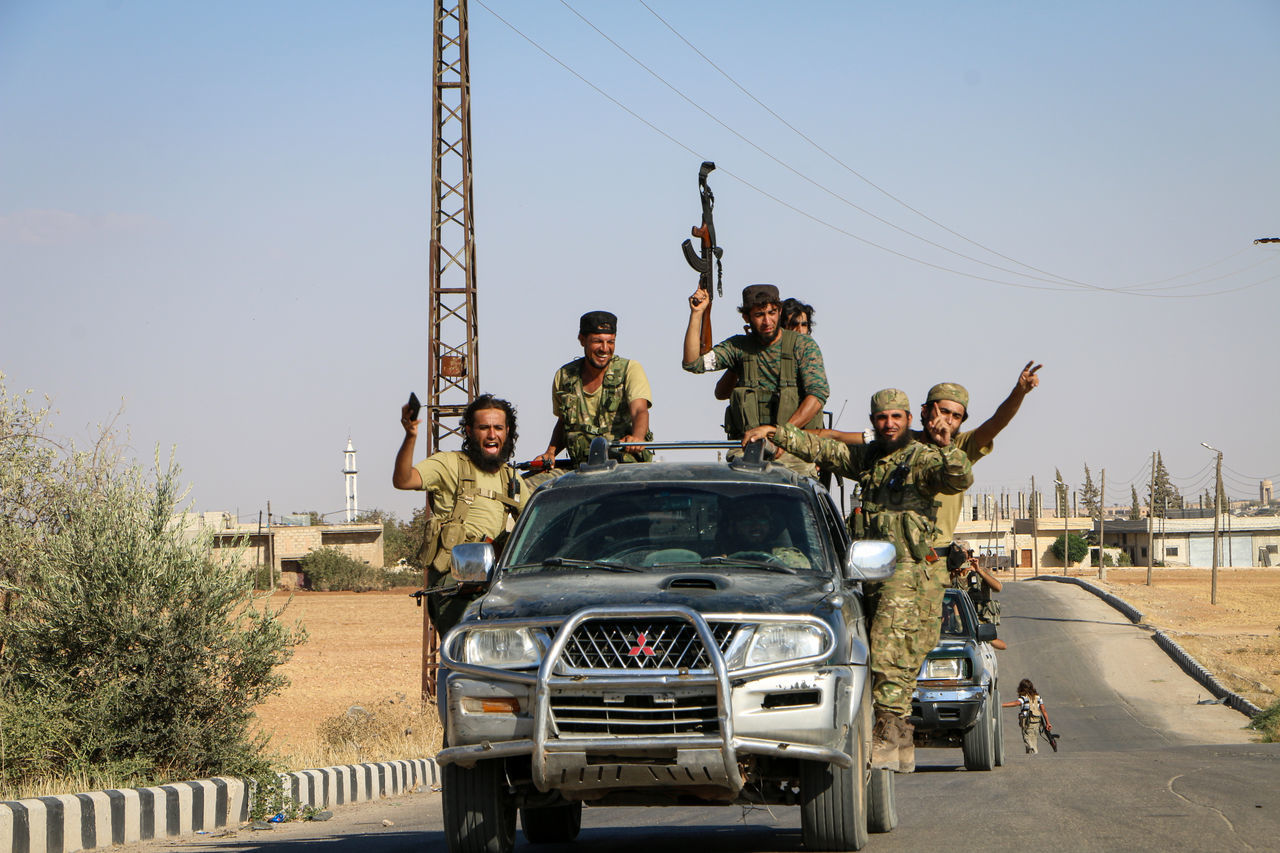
(905, 626)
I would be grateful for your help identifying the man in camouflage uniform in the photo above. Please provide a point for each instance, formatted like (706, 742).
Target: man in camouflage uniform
(471, 492)
(900, 479)
(600, 394)
(944, 410)
(781, 378)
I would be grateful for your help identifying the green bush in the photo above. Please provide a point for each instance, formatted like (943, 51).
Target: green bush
(127, 651)
(1268, 724)
(1079, 547)
(330, 570)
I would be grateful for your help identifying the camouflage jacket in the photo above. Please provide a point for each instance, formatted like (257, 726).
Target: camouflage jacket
(899, 488)
(772, 380)
(612, 416)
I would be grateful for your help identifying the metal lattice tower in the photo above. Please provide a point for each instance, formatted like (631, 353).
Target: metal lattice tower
(453, 377)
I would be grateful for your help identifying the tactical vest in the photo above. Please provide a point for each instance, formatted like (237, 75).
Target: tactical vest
(893, 506)
(612, 419)
(752, 406)
(442, 535)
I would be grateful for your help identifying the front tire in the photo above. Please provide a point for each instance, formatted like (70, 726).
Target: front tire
(979, 742)
(999, 733)
(479, 811)
(882, 802)
(833, 800)
(551, 824)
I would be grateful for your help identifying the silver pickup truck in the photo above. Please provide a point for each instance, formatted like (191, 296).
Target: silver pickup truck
(664, 634)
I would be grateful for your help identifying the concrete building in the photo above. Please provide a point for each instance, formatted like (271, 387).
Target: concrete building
(284, 545)
(1244, 540)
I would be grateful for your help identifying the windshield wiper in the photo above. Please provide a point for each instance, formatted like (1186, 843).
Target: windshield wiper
(607, 565)
(744, 561)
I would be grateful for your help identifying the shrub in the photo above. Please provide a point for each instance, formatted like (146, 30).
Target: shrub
(127, 651)
(1079, 547)
(1268, 724)
(329, 569)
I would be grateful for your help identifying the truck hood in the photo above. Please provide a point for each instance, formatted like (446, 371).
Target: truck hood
(563, 592)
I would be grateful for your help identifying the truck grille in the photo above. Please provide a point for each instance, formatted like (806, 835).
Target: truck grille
(639, 715)
(642, 644)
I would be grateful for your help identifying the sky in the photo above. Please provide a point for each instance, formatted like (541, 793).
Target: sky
(214, 220)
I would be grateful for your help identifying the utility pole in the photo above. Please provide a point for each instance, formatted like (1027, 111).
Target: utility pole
(1217, 506)
(1151, 530)
(1066, 535)
(1035, 529)
(1102, 527)
(453, 349)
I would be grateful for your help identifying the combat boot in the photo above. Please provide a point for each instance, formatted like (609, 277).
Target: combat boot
(884, 742)
(906, 746)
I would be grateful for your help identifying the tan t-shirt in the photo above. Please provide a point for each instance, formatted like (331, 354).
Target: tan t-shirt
(439, 473)
(635, 386)
(951, 505)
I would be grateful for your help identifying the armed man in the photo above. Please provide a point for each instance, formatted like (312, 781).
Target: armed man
(599, 394)
(781, 378)
(472, 494)
(901, 479)
(944, 410)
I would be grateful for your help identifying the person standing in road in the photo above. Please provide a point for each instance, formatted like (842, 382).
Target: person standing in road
(900, 479)
(781, 378)
(1031, 712)
(978, 583)
(472, 493)
(599, 394)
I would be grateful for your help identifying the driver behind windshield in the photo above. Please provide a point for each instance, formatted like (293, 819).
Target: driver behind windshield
(751, 530)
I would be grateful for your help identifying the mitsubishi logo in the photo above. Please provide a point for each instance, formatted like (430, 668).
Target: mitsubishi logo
(641, 647)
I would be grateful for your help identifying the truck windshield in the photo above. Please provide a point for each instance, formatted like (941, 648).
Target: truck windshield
(646, 525)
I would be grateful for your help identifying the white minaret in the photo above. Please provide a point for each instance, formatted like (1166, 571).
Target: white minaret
(349, 470)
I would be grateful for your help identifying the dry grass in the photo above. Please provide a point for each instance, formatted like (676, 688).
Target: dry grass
(364, 653)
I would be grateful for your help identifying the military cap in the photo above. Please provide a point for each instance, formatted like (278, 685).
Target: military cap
(598, 323)
(759, 294)
(890, 399)
(952, 391)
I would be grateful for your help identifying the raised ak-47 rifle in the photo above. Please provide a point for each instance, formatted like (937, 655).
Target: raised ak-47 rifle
(702, 260)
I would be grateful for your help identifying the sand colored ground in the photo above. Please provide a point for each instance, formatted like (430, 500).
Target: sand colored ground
(366, 648)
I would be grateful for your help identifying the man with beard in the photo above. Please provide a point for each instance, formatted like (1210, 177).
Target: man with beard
(944, 410)
(600, 394)
(471, 492)
(900, 479)
(781, 378)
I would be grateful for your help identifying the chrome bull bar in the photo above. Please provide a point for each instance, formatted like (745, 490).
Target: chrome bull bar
(552, 752)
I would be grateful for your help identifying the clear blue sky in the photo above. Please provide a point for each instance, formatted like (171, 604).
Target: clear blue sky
(217, 214)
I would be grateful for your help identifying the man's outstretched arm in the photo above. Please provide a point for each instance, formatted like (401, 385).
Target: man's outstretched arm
(1027, 380)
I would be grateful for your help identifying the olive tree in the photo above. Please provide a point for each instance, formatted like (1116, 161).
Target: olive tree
(126, 650)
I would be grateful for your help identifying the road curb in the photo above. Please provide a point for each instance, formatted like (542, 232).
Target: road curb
(69, 822)
(1189, 665)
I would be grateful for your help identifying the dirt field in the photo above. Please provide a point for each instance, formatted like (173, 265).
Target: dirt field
(366, 648)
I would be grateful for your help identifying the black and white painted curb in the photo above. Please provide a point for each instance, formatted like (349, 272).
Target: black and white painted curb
(1189, 664)
(69, 822)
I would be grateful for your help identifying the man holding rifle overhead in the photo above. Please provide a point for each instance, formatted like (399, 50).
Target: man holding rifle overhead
(781, 378)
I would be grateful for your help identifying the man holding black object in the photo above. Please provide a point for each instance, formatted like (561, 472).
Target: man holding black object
(472, 494)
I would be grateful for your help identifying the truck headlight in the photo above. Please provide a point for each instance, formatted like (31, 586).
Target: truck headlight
(939, 669)
(505, 648)
(784, 641)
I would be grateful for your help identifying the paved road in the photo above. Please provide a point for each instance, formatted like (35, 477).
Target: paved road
(1142, 766)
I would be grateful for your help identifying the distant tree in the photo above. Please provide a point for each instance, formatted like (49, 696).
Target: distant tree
(1091, 496)
(1166, 495)
(1135, 513)
(1060, 495)
(1078, 548)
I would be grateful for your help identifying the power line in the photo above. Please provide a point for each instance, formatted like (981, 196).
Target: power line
(829, 225)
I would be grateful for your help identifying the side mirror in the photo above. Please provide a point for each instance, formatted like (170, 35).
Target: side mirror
(870, 560)
(986, 632)
(472, 563)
